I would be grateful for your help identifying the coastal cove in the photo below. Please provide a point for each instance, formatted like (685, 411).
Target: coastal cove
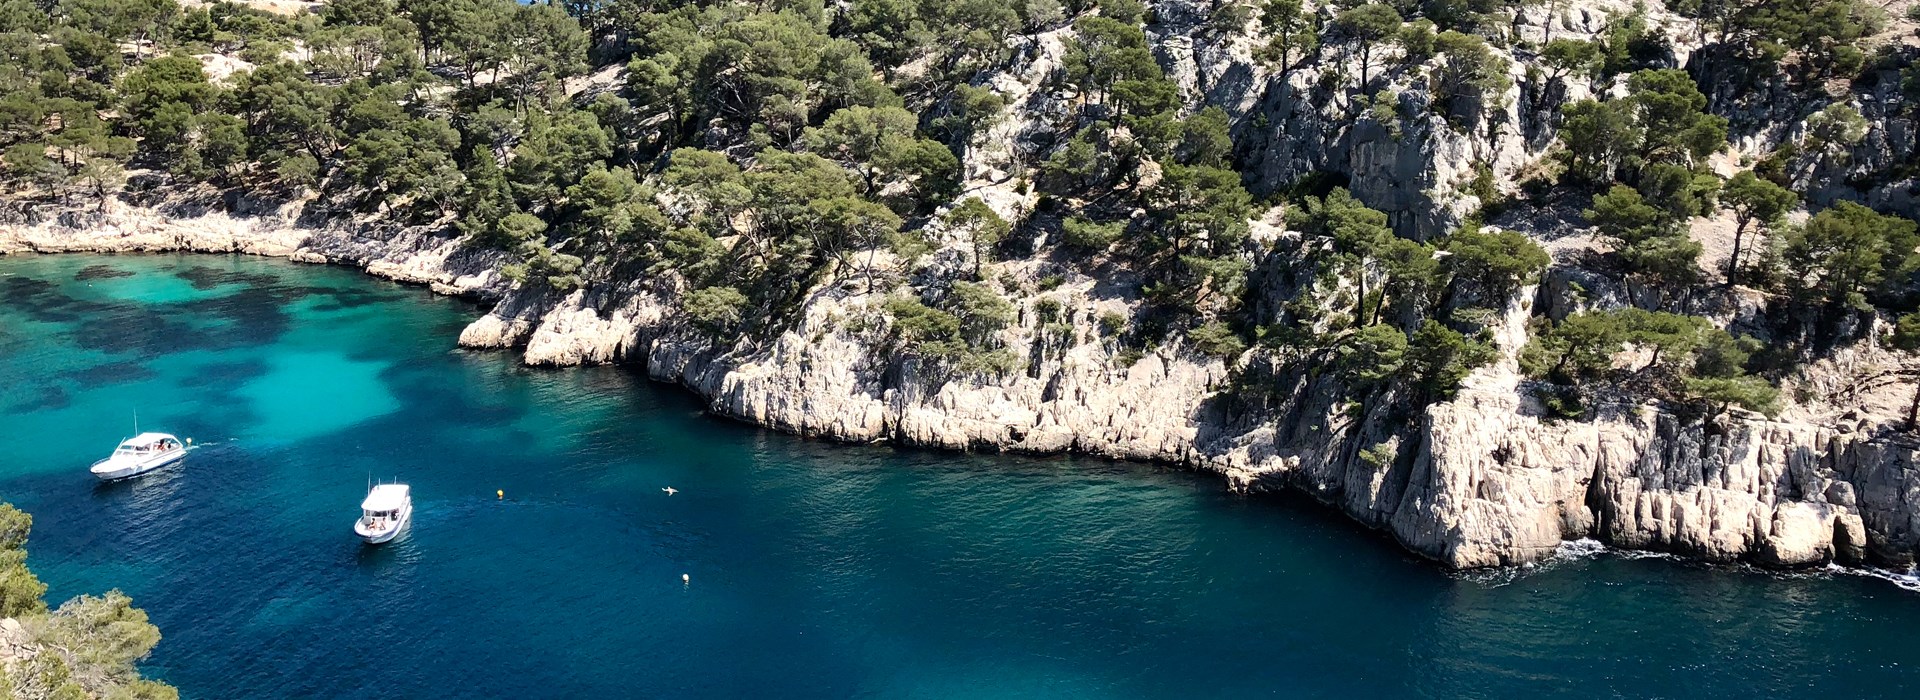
(817, 569)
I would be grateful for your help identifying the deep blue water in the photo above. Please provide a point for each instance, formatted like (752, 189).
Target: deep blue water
(818, 570)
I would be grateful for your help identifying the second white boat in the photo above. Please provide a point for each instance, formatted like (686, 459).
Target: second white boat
(385, 512)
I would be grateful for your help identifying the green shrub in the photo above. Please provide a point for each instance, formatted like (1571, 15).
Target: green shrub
(1082, 233)
(1218, 340)
(715, 310)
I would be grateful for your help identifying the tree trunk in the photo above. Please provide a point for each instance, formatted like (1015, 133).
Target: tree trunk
(1733, 260)
(1913, 409)
(1366, 58)
(867, 269)
(1360, 304)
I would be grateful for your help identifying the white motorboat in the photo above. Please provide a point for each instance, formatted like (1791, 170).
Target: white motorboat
(140, 454)
(386, 511)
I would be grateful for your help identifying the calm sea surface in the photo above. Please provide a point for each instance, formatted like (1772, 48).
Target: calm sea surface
(818, 570)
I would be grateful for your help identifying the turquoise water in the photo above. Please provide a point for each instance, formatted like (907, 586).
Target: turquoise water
(817, 570)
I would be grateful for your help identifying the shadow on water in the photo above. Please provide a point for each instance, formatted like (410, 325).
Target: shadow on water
(44, 398)
(372, 557)
(250, 312)
(100, 272)
(43, 302)
(208, 278)
(124, 372)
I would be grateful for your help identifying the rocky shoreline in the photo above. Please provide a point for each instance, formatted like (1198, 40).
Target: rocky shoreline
(413, 255)
(1486, 481)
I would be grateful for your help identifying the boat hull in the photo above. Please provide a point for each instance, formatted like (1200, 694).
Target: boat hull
(105, 470)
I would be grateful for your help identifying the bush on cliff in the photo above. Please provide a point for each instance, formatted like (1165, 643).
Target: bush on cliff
(86, 648)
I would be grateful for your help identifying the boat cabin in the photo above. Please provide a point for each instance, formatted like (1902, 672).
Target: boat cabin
(147, 444)
(384, 503)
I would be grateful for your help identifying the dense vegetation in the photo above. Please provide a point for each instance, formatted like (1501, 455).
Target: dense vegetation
(86, 648)
(745, 154)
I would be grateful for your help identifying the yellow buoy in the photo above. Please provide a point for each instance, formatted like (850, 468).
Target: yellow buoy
(501, 494)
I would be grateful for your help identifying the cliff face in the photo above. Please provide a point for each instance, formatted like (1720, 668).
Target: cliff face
(1484, 479)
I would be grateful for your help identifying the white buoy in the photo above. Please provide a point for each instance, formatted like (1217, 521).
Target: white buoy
(685, 579)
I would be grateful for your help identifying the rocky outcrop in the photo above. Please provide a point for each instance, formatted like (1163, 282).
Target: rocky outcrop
(15, 643)
(1776, 493)
(1768, 114)
(1414, 165)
